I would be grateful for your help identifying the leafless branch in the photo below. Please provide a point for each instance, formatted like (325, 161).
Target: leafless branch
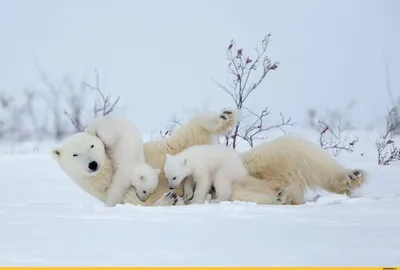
(170, 128)
(387, 150)
(103, 104)
(244, 77)
(332, 139)
(257, 129)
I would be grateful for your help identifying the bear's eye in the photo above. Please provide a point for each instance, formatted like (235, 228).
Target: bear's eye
(75, 155)
(144, 191)
(92, 146)
(173, 178)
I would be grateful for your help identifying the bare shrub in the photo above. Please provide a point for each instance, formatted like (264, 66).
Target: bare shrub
(38, 113)
(393, 116)
(102, 105)
(53, 99)
(385, 145)
(333, 140)
(333, 129)
(245, 75)
(169, 129)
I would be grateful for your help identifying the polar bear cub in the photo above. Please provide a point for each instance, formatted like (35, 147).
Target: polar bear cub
(124, 144)
(209, 165)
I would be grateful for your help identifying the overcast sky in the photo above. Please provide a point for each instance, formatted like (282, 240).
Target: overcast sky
(162, 56)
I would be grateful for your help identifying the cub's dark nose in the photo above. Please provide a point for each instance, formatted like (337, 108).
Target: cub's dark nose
(93, 166)
(171, 187)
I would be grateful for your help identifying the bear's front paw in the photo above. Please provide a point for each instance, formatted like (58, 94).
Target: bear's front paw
(354, 179)
(188, 196)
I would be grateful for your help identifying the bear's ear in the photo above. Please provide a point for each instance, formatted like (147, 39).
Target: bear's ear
(56, 153)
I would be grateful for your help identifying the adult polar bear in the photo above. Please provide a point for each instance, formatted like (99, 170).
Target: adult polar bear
(280, 170)
(201, 129)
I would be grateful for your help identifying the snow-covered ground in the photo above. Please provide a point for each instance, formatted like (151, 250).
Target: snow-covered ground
(45, 219)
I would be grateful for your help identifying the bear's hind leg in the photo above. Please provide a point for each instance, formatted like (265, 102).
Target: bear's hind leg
(292, 195)
(221, 123)
(203, 185)
(223, 186)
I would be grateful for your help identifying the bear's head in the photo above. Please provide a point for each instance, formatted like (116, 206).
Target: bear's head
(145, 180)
(176, 168)
(81, 155)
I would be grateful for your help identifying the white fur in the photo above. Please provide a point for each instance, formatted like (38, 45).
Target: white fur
(145, 180)
(78, 152)
(209, 165)
(124, 144)
(200, 129)
(291, 165)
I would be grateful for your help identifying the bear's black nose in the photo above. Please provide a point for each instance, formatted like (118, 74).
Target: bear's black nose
(93, 166)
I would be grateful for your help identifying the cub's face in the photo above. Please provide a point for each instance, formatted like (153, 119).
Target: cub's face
(81, 155)
(176, 170)
(145, 181)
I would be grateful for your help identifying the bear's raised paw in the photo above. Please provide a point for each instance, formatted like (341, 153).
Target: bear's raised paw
(228, 114)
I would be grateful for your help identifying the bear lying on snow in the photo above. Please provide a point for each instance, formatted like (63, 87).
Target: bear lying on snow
(279, 170)
(201, 129)
(290, 165)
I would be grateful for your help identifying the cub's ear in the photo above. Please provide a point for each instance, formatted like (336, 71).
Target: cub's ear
(157, 171)
(56, 153)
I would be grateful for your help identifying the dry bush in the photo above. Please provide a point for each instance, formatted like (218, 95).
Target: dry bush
(245, 75)
(102, 105)
(386, 147)
(169, 129)
(333, 129)
(37, 114)
(333, 140)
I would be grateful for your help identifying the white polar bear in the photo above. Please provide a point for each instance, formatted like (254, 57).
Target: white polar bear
(200, 129)
(144, 180)
(274, 166)
(282, 169)
(291, 165)
(125, 148)
(209, 165)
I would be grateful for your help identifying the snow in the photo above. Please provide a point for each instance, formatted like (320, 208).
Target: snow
(45, 219)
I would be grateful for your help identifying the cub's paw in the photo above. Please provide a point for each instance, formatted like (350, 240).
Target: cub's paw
(353, 180)
(188, 191)
(187, 197)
